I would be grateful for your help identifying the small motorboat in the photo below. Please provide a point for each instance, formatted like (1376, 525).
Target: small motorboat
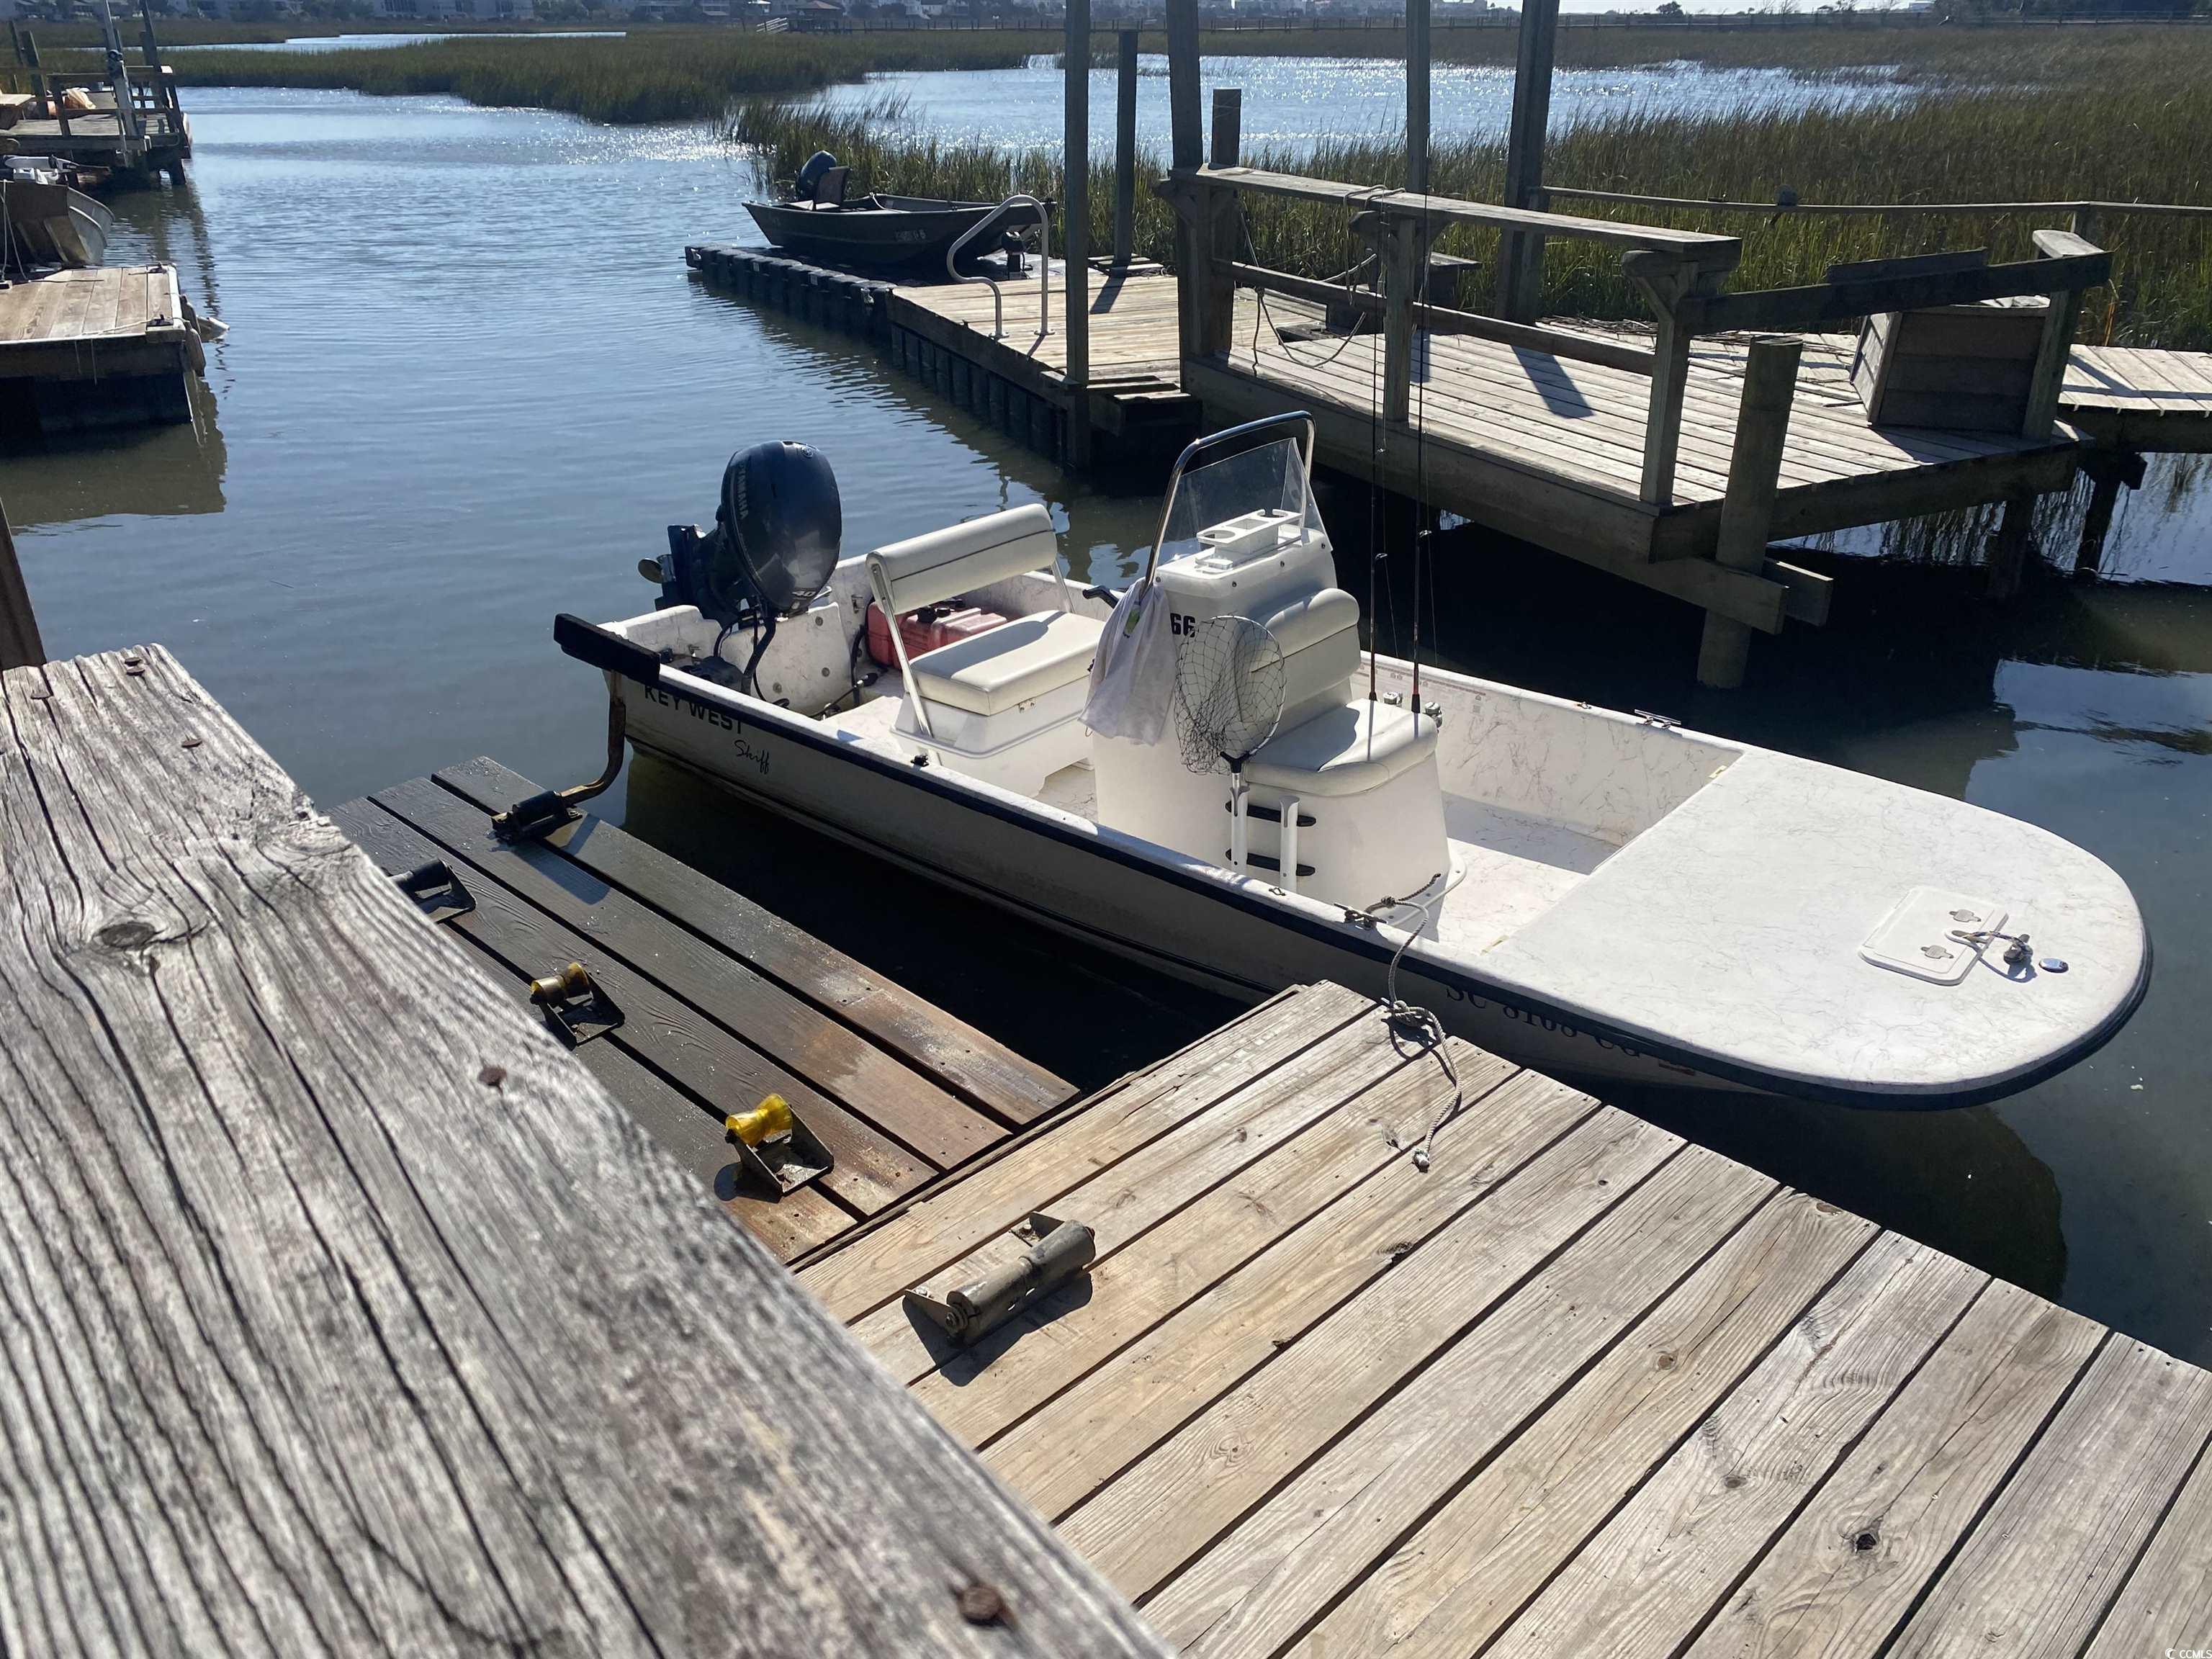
(817, 220)
(1247, 799)
(46, 223)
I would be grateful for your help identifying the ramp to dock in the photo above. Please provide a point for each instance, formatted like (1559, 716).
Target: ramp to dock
(1579, 1388)
(348, 1314)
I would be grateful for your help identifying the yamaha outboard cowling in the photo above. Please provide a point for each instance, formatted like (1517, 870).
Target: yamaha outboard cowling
(775, 540)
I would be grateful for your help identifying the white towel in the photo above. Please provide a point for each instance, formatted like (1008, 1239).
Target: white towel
(1132, 675)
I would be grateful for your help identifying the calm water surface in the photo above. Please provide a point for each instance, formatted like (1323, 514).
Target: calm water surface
(1291, 103)
(469, 381)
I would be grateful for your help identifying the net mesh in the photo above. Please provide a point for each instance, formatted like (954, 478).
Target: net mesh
(1229, 692)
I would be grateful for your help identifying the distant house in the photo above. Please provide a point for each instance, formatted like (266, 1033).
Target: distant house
(480, 11)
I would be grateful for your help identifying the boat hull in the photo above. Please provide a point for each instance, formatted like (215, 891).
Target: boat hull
(1172, 914)
(870, 239)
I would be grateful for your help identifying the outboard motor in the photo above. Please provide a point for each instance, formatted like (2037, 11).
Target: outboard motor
(809, 174)
(775, 540)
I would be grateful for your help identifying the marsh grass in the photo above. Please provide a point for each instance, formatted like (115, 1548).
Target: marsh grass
(2124, 123)
(651, 75)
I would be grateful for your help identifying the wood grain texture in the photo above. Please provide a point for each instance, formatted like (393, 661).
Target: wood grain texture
(1010, 1086)
(2168, 1602)
(685, 1125)
(2046, 1561)
(1152, 1519)
(317, 1341)
(1324, 1531)
(1836, 1584)
(940, 1229)
(1646, 1581)
(1484, 1555)
(1090, 1433)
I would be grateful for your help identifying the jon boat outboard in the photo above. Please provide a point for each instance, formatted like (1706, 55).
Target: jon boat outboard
(816, 219)
(1257, 802)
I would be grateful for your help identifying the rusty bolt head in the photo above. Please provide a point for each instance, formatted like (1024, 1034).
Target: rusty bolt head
(492, 1076)
(982, 1604)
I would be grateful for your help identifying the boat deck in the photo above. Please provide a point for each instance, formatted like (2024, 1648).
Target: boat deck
(1580, 1387)
(105, 346)
(724, 1003)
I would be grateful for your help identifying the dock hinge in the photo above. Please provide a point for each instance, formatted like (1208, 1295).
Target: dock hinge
(1062, 1249)
(436, 891)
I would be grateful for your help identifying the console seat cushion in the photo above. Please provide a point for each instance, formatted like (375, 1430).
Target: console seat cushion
(1015, 663)
(1346, 751)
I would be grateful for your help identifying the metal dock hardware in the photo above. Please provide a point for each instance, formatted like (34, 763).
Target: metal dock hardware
(578, 1009)
(436, 891)
(1063, 1248)
(774, 1144)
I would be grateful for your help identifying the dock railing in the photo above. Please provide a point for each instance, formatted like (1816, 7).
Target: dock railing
(1677, 272)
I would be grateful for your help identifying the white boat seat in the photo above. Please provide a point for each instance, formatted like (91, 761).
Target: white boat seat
(1346, 751)
(1319, 636)
(1015, 663)
(946, 563)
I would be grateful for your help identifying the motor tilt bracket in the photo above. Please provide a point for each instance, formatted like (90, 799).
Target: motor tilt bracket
(1062, 1249)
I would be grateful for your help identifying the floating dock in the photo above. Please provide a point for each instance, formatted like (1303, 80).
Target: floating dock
(109, 346)
(1579, 1388)
(725, 1003)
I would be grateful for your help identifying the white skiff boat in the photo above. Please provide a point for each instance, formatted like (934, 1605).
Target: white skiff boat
(1593, 893)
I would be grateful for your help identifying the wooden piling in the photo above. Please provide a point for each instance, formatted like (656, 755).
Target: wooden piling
(2008, 547)
(19, 624)
(1417, 95)
(1125, 146)
(1075, 212)
(1186, 150)
(1762, 426)
(1520, 253)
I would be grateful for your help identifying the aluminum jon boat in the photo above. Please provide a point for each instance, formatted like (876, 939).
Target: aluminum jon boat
(1600, 894)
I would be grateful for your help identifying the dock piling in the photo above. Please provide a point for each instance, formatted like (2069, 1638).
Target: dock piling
(1762, 427)
(1521, 253)
(1075, 215)
(1125, 146)
(19, 624)
(1417, 95)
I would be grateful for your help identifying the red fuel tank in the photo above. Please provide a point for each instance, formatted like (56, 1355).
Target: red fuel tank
(925, 629)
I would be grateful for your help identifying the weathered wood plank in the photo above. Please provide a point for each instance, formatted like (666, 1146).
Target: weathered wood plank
(1835, 1583)
(664, 1031)
(975, 1398)
(1155, 1516)
(938, 1231)
(1449, 1587)
(2168, 1602)
(1320, 1534)
(1120, 1411)
(327, 1340)
(2048, 1558)
(1647, 1580)
(686, 1127)
(1012, 1088)
(872, 1084)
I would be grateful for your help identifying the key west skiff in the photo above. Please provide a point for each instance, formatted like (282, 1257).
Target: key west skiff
(1599, 894)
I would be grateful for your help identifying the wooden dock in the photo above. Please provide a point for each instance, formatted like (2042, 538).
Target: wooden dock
(941, 334)
(110, 346)
(1581, 1388)
(348, 1313)
(725, 1003)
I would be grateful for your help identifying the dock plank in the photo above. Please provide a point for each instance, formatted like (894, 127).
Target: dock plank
(1011, 1087)
(325, 1342)
(1848, 1568)
(1322, 1532)
(870, 1084)
(1647, 1579)
(936, 1232)
(2045, 1563)
(683, 1123)
(665, 1032)
(2167, 1600)
(1259, 1428)
(1449, 1587)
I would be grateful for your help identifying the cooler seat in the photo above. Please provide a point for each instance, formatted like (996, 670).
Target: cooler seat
(1349, 750)
(1005, 706)
(1017, 662)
